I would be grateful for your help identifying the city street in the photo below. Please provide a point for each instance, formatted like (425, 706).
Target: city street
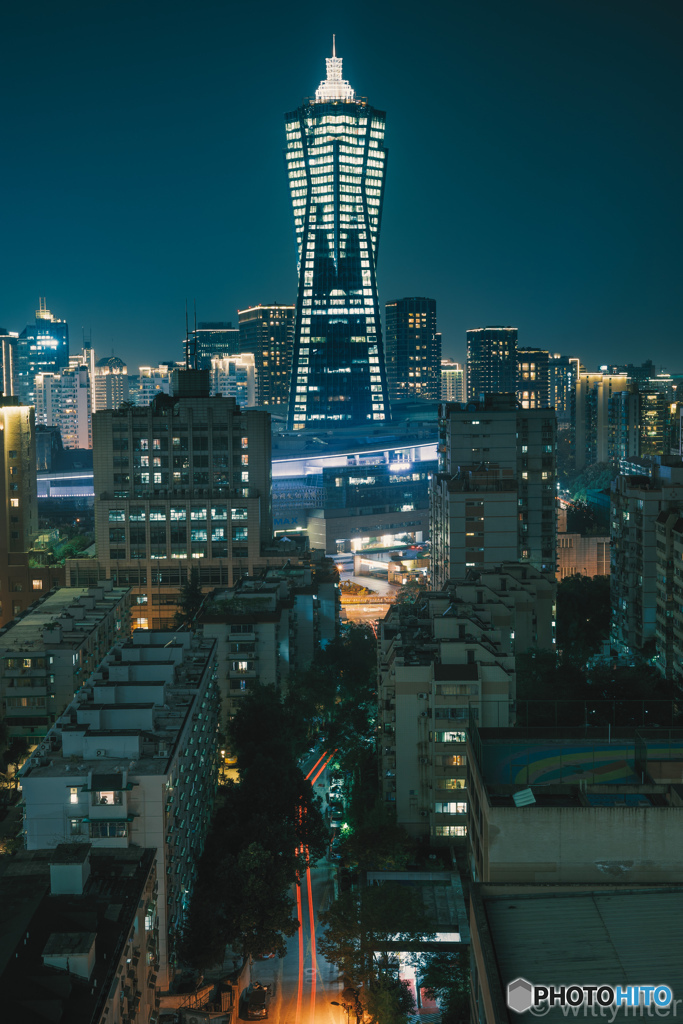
(369, 612)
(304, 984)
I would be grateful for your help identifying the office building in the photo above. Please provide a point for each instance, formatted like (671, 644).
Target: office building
(184, 482)
(131, 764)
(234, 377)
(560, 806)
(269, 627)
(533, 378)
(444, 659)
(63, 401)
(48, 653)
(78, 936)
(636, 504)
(109, 383)
(336, 162)
(493, 499)
(563, 372)
(491, 361)
(209, 340)
(152, 381)
(594, 391)
(42, 347)
(20, 582)
(669, 609)
(413, 350)
(267, 332)
(8, 361)
(453, 381)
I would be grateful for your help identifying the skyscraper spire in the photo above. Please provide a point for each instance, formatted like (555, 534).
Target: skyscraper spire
(334, 88)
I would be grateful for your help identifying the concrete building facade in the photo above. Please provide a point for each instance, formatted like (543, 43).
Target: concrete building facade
(48, 653)
(131, 763)
(493, 498)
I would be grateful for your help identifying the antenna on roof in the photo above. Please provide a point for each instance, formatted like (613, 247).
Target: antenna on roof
(194, 347)
(334, 45)
(187, 340)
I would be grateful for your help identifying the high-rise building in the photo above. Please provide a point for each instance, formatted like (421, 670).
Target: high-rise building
(268, 333)
(336, 162)
(533, 378)
(413, 349)
(184, 482)
(109, 383)
(234, 377)
(592, 426)
(8, 360)
(153, 380)
(563, 373)
(636, 503)
(63, 400)
(453, 381)
(491, 361)
(20, 583)
(211, 338)
(493, 499)
(42, 347)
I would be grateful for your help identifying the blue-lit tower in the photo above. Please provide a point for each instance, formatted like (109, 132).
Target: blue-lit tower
(42, 347)
(336, 163)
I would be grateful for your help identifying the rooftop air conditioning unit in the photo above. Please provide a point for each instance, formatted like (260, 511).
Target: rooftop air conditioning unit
(100, 753)
(162, 753)
(423, 696)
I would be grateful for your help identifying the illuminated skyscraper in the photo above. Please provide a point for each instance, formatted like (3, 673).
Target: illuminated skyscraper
(336, 162)
(42, 347)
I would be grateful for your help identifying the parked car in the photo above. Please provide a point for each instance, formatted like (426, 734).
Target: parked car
(258, 997)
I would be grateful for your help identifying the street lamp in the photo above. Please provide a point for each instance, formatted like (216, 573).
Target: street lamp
(344, 1006)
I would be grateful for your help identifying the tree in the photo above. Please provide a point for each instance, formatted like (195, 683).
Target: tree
(364, 928)
(376, 843)
(583, 616)
(190, 598)
(446, 976)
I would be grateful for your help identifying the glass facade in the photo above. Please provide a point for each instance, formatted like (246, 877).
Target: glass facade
(336, 164)
(42, 347)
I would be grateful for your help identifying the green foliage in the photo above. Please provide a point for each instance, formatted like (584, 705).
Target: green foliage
(15, 755)
(363, 928)
(190, 598)
(376, 842)
(583, 616)
(598, 475)
(446, 976)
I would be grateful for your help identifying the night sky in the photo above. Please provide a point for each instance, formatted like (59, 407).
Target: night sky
(534, 173)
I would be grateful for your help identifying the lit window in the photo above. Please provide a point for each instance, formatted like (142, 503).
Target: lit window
(37, 584)
(73, 794)
(14, 502)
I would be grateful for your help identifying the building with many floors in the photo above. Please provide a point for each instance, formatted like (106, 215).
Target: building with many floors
(636, 505)
(79, 935)
(594, 392)
(491, 361)
(267, 332)
(234, 377)
(269, 627)
(563, 372)
(48, 653)
(533, 378)
(493, 498)
(216, 339)
(21, 583)
(63, 401)
(336, 166)
(413, 349)
(132, 764)
(42, 347)
(453, 381)
(669, 613)
(444, 659)
(184, 482)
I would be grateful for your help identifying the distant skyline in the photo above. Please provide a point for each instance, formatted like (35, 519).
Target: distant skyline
(532, 179)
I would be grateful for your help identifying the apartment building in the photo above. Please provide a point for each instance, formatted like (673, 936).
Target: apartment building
(63, 400)
(50, 651)
(493, 498)
(669, 613)
(594, 392)
(184, 482)
(132, 764)
(635, 506)
(446, 659)
(79, 938)
(270, 626)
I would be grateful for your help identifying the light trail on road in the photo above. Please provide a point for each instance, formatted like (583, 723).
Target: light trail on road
(313, 949)
(316, 764)
(316, 777)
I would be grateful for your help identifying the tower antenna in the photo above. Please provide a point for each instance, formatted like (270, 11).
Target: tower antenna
(334, 45)
(194, 346)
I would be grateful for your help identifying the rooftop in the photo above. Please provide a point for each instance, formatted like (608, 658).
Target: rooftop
(77, 610)
(35, 923)
(560, 935)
